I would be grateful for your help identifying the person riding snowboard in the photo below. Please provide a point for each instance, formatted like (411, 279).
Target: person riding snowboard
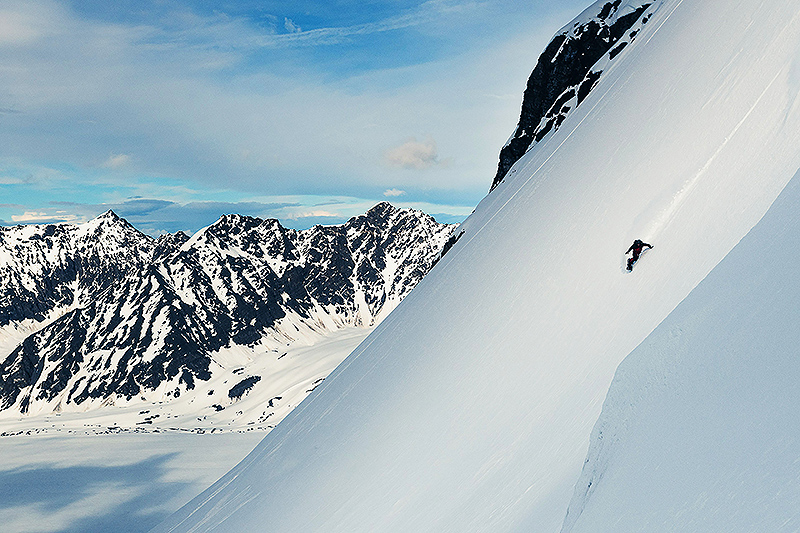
(637, 247)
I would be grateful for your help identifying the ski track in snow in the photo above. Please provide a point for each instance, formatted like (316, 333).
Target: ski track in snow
(698, 431)
(535, 173)
(665, 217)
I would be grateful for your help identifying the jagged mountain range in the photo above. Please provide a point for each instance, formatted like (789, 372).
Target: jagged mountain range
(101, 313)
(569, 68)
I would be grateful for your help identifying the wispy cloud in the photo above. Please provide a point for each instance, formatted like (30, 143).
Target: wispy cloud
(156, 216)
(17, 28)
(414, 154)
(391, 193)
(117, 161)
(313, 214)
(209, 99)
(152, 216)
(43, 217)
(290, 26)
(424, 13)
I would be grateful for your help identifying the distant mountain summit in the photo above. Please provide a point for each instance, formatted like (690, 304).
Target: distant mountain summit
(50, 268)
(569, 68)
(100, 312)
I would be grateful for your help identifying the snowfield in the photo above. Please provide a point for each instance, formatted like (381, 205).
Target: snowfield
(470, 408)
(127, 468)
(699, 431)
(284, 378)
(108, 483)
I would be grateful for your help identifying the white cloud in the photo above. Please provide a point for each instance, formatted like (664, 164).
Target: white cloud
(183, 97)
(17, 28)
(389, 193)
(312, 214)
(43, 217)
(424, 13)
(117, 161)
(413, 154)
(291, 26)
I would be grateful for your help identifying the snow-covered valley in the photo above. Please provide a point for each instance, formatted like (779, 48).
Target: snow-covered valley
(224, 332)
(99, 315)
(286, 378)
(101, 483)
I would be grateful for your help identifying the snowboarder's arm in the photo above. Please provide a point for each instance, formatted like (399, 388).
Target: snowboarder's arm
(648, 245)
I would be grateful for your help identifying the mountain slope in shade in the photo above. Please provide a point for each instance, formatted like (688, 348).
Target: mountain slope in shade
(471, 406)
(699, 430)
(152, 328)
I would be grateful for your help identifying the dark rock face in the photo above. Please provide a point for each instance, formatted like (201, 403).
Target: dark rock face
(568, 70)
(168, 244)
(136, 313)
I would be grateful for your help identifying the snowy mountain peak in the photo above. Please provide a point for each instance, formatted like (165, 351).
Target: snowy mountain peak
(602, 16)
(168, 244)
(382, 211)
(108, 215)
(235, 222)
(148, 314)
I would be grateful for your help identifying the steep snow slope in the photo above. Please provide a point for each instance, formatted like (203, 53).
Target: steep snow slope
(699, 431)
(470, 407)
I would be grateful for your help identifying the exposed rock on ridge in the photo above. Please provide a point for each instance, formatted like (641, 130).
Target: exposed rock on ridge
(569, 68)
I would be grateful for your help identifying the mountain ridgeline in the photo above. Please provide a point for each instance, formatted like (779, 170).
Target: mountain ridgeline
(102, 312)
(569, 68)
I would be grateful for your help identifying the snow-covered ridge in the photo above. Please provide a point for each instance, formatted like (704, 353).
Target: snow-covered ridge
(569, 68)
(470, 408)
(114, 316)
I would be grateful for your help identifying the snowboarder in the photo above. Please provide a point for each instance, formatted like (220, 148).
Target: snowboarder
(637, 247)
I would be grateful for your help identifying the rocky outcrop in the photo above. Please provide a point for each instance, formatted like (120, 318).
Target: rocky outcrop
(569, 68)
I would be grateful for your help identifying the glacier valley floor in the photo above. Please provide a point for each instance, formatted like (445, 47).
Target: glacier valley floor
(105, 470)
(123, 482)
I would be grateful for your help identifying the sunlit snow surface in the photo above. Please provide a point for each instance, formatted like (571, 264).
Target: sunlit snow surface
(700, 428)
(470, 407)
(126, 468)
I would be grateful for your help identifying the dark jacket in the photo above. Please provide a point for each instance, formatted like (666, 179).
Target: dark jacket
(637, 247)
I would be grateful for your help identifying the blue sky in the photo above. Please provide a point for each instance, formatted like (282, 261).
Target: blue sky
(175, 112)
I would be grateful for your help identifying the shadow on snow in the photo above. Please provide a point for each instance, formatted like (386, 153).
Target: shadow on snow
(126, 498)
